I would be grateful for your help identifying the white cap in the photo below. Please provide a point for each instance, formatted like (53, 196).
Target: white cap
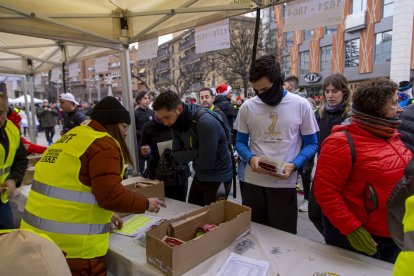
(68, 97)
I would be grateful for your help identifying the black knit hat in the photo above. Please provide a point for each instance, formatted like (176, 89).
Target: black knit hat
(110, 111)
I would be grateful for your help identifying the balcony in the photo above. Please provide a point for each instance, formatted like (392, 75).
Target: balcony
(163, 53)
(188, 42)
(163, 66)
(355, 22)
(191, 57)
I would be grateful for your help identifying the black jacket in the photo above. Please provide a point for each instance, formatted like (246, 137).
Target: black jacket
(207, 147)
(326, 123)
(72, 119)
(153, 133)
(142, 116)
(20, 162)
(225, 105)
(406, 127)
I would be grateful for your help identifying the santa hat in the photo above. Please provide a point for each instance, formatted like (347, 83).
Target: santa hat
(223, 89)
(239, 98)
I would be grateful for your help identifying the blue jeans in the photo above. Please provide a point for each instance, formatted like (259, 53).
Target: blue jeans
(6, 216)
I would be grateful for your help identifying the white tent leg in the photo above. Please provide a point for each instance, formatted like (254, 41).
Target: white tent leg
(127, 99)
(32, 124)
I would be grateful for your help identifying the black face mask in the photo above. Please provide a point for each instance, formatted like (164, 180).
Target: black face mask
(273, 96)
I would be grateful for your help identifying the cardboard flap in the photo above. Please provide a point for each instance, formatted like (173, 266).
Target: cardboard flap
(185, 229)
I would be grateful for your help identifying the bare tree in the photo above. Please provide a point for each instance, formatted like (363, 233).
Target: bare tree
(235, 62)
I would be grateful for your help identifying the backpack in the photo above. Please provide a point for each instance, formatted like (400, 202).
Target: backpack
(200, 112)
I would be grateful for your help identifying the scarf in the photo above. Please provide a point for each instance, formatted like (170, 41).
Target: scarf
(334, 109)
(184, 119)
(382, 127)
(273, 96)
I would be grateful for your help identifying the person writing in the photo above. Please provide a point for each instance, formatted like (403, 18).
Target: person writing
(77, 188)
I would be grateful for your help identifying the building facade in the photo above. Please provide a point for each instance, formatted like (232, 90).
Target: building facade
(362, 47)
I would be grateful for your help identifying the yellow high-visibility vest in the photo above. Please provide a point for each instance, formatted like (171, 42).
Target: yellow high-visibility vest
(404, 266)
(13, 135)
(61, 206)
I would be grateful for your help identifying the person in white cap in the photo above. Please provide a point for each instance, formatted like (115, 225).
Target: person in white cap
(72, 115)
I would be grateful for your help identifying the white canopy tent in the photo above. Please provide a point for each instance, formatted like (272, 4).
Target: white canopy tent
(22, 100)
(36, 33)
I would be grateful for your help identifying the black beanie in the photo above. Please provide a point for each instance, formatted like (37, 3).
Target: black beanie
(110, 111)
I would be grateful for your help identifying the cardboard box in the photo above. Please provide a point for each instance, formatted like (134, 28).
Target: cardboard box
(232, 219)
(28, 176)
(33, 159)
(149, 188)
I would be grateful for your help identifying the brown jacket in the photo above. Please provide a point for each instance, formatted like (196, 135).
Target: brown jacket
(101, 168)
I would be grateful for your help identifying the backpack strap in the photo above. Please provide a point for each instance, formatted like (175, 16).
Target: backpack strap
(351, 145)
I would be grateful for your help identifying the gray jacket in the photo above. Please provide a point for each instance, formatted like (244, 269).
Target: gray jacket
(48, 118)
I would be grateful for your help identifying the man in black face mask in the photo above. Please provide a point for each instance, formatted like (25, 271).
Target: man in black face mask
(278, 125)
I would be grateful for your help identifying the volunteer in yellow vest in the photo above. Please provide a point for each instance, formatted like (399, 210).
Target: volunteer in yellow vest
(77, 187)
(13, 164)
(404, 266)
(400, 207)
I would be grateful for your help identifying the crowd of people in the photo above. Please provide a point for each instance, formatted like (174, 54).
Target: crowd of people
(351, 149)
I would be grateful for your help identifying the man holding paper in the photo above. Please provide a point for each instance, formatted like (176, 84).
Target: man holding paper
(282, 131)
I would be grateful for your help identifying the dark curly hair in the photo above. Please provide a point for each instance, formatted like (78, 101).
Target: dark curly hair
(372, 96)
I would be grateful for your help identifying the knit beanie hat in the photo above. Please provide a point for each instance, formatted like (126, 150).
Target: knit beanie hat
(110, 111)
(223, 89)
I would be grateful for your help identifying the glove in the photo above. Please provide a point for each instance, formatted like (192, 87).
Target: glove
(362, 241)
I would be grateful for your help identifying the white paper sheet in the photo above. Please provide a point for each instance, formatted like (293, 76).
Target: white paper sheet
(238, 265)
(162, 146)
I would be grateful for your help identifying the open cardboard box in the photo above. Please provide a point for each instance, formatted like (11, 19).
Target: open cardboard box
(149, 188)
(232, 221)
(28, 176)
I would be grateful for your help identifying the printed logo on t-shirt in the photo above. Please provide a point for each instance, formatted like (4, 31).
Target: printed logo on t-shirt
(273, 116)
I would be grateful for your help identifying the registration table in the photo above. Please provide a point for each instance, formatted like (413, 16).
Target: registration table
(287, 254)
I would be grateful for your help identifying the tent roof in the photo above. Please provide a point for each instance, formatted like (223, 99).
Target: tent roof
(34, 29)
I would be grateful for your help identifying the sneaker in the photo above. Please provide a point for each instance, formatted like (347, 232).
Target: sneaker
(304, 206)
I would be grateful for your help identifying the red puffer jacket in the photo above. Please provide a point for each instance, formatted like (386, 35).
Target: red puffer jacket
(354, 195)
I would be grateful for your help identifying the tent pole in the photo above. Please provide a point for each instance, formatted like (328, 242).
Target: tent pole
(30, 87)
(256, 37)
(127, 99)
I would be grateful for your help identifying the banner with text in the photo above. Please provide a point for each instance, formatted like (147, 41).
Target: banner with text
(310, 14)
(101, 64)
(73, 70)
(148, 49)
(212, 37)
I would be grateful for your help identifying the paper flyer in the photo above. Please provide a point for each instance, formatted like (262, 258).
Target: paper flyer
(137, 224)
(238, 265)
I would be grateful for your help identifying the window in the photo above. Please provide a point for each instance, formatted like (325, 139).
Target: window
(284, 10)
(289, 39)
(358, 6)
(383, 47)
(304, 63)
(331, 29)
(387, 8)
(326, 58)
(352, 53)
(307, 34)
(285, 65)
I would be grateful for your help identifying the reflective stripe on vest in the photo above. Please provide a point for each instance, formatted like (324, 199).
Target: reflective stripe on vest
(5, 170)
(408, 241)
(63, 227)
(60, 193)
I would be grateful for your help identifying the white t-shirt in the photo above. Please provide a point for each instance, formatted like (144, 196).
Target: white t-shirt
(276, 132)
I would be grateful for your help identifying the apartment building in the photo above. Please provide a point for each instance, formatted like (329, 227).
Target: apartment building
(374, 39)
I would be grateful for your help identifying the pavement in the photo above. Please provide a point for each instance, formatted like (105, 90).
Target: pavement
(305, 227)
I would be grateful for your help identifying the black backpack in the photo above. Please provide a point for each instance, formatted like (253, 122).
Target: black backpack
(200, 112)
